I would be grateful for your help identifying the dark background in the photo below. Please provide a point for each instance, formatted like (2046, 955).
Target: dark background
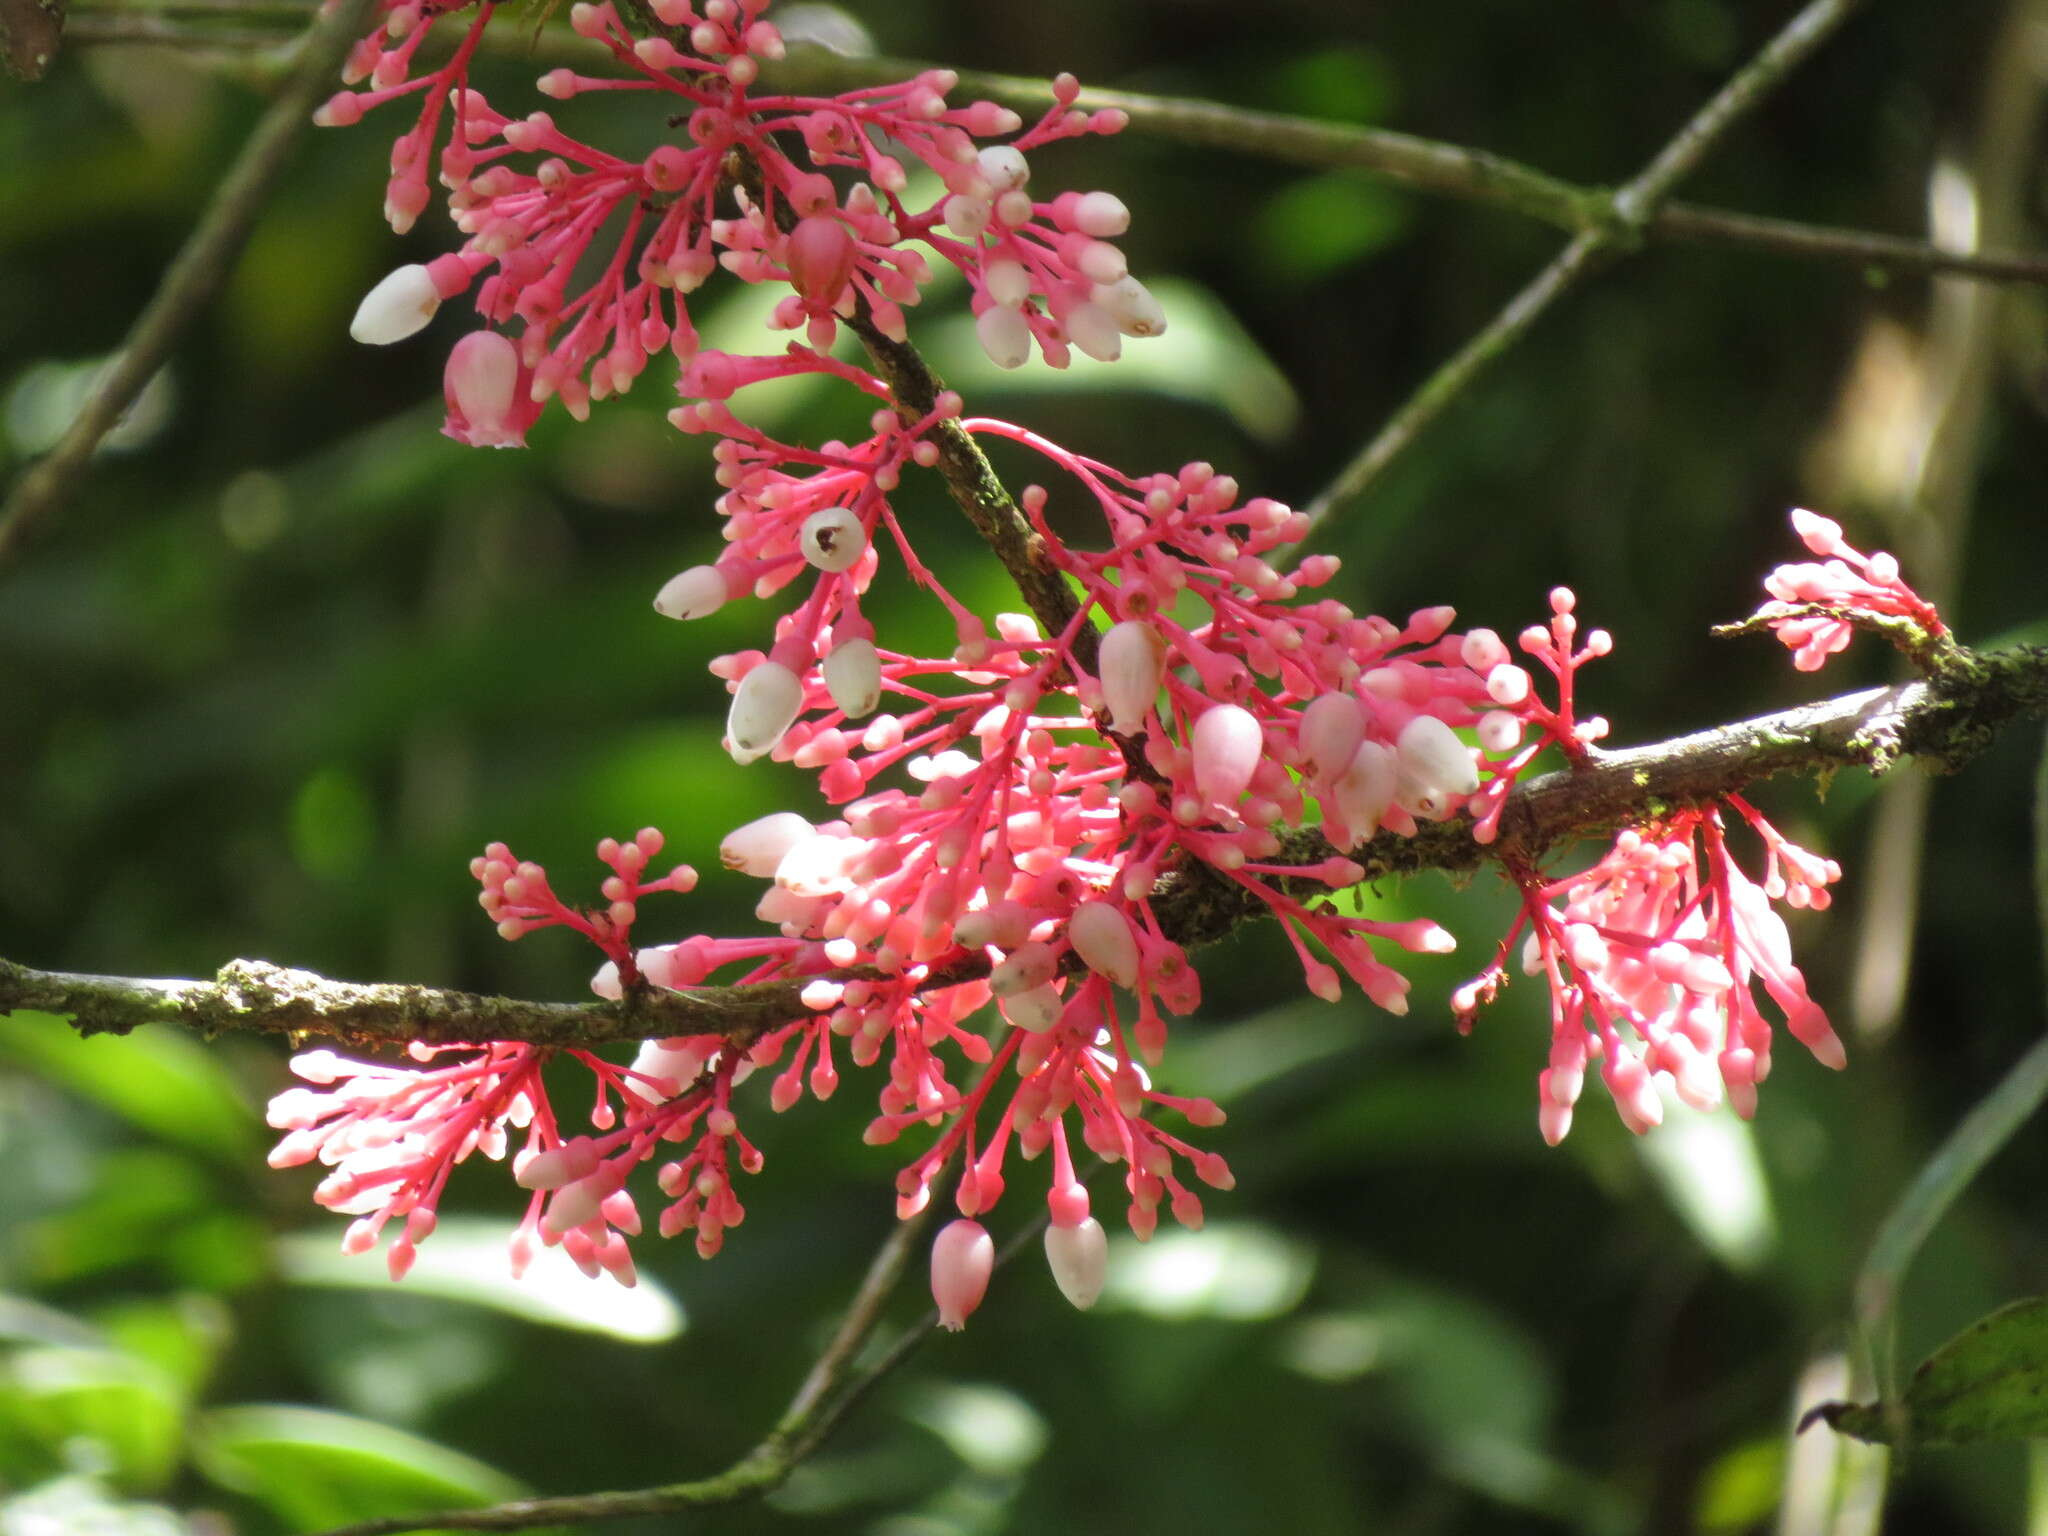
(291, 658)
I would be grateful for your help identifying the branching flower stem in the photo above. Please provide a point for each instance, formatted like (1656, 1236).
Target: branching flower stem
(1943, 722)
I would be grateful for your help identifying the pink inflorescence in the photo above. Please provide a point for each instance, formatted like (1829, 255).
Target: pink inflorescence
(1012, 817)
(1846, 581)
(593, 256)
(1653, 957)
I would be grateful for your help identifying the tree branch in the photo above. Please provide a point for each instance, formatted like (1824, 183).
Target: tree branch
(1944, 722)
(194, 276)
(1629, 214)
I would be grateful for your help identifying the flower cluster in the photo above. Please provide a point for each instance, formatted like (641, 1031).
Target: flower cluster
(1031, 818)
(1822, 603)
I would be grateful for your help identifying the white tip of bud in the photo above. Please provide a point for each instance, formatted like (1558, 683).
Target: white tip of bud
(1007, 282)
(1227, 742)
(853, 674)
(691, 594)
(1103, 938)
(1102, 215)
(756, 848)
(1436, 768)
(1004, 167)
(1004, 335)
(398, 307)
(1091, 328)
(833, 539)
(1131, 305)
(1035, 1009)
(766, 706)
(1132, 661)
(1079, 1259)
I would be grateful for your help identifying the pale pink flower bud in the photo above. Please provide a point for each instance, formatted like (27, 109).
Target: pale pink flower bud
(763, 710)
(606, 982)
(1133, 661)
(1102, 936)
(1092, 328)
(1436, 768)
(1004, 167)
(1079, 1259)
(1499, 731)
(1227, 743)
(758, 847)
(1332, 726)
(1007, 282)
(820, 256)
(1035, 1009)
(1101, 214)
(1365, 789)
(1132, 306)
(967, 216)
(1029, 965)
(853, 674)
(963, 1258)
(833, 539)
(398, 307)
(1822, 535)
(482, 383)
(692, 594)
(1004, 336)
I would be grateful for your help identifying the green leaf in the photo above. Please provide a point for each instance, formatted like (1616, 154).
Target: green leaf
(316, 1469)
(1989, 1382)
(156, 1079)
(127, 1410)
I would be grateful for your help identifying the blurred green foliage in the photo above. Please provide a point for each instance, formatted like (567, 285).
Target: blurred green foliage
(292, 658)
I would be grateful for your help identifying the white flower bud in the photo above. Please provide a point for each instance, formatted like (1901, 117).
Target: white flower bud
(1079, 1259)
(398, 307)
(766, 706)
(692, 594)
(1027, 966)
(967, 216)
(1226, 743)
(1132, 660)
(1007, 282)
(1132, 306)
(1331, 728)
(1035, 1009)
(1101, 214)
(1102, 263)
(756, 848)
(853, 674)
(1090, 327)
(1004, 336)
(1102, 936)
(1365, 789)
(833, 539)
(1436, 768)
(1004, 167)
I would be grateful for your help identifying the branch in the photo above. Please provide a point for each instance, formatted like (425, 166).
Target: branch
(194, 276)
(1944, 722)
(1629, 213)
(1428, 165)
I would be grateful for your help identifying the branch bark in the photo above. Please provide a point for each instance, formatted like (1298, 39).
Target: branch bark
(1943, 722)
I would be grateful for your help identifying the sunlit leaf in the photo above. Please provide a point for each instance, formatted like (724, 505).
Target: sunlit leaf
(1989, 1382)
(123, 1413)
(316, 1469)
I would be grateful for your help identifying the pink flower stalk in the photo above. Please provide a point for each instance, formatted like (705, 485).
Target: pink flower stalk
(1653, 957)
(1849, 584)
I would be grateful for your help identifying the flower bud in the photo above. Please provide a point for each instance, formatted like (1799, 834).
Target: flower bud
(1436, 768)
(1132, 306)
(1331, 728)
(481, 383)
(820, 255)
(1103, 938)
(1079, 1259)
(766, 706)
(692, 594)
(963, 1258)
(1036, 1009)
(833, 539)
(1132, 661)
(1004, 167)
(1365, 789)
(398, 307)
(1094, 330)
(757, 848)
(1227, 743)
(853, 674)
(1004, 335)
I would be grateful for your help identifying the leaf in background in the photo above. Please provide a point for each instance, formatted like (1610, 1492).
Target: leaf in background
(79, 1506)
(316, 1469)
(1707, 1165)
(1315, 228)
(127, 1413)
(1989, 1382)
(466, 1261)
(159, 1080)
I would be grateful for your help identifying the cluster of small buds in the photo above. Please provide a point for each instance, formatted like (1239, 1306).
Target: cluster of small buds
(533, 201)
(1848, 585)
(1653, 957)
(516, 896)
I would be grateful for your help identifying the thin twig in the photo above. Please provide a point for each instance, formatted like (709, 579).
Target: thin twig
(1631, 210)
(1944, 722)
(194, 276)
